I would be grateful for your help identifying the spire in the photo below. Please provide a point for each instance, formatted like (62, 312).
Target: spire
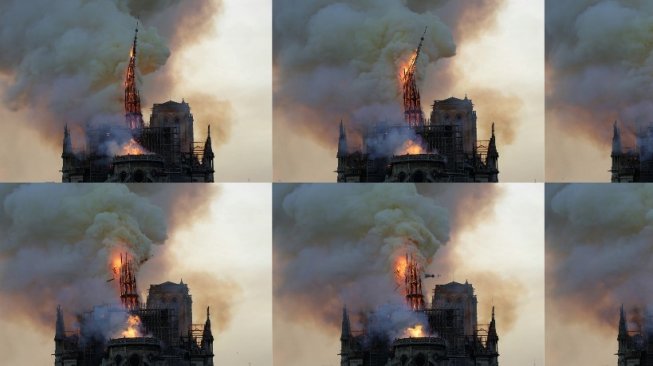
(207, 335)
(207, 157)
(67, 144)
(413, 284)
(346, 327)
(616, 139)
(413, 113)
(492, 146)
(133, 115)
(492, 337)
(342, 142)
(128, 292)
(60, 329)
(623, 331)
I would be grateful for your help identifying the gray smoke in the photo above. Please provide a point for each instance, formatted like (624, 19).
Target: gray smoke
(599, 249)
(58, 242)
(336, 245)
(338, 60)
(599, 66)
(67, 58)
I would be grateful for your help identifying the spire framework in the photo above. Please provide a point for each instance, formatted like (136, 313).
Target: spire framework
(133, 114)
(413, 113)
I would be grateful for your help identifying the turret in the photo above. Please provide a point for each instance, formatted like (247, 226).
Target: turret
(207, 337)
(343, 150)
(622, 338)
(207, 156)
(493, 158)
(616, 152)
(59, 338)
(345, 338)
(492, 337)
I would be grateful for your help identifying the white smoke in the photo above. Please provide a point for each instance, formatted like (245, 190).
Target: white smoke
(337, 244)
(58, 242)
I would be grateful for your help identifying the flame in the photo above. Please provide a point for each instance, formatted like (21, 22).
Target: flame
(134, 327)
(401, 265)
(404, 68)
(410, 147)
(133, 148)
(415, 332)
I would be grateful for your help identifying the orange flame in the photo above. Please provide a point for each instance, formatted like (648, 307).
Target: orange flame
(404, 68)
(401, 265)
(134, 327)
(410, 147)
(133, 148)
(414, 332)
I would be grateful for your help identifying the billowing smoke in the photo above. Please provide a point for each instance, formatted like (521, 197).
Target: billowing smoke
(598, 74)
(598, 245)
(338, 60)
(338, 245)
(59, 243)
(68, 67)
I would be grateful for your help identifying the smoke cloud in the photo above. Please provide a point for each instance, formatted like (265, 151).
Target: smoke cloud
(599, 250)
(598, 74)
(339, 60)
(68, 67)
(59, 240)
(337, 245)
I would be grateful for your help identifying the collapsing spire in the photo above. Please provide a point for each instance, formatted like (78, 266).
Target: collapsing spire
(413, 283)
(412, 104)
(128, 292)
(133, 115)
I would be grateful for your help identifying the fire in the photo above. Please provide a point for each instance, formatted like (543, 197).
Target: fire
(133, 148)
(401, 265)
(410, 147)
(134, 327)
(404, 69)
(414, 332)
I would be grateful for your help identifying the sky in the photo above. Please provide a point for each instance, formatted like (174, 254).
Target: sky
(499, 68)
(495, 242)
(225, 68)
(220, 248)
(598, 258)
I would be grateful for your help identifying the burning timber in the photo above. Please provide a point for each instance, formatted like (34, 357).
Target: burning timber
(443, 148)
(163, 150)
(450, 337)
(161, 333)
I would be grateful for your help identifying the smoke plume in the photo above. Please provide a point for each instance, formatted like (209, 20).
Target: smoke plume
(68, 67)
(598, 74)
(343, 241)
(599, 250)
(59, 241)
(340, 60)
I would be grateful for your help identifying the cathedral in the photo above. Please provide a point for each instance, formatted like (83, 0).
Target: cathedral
(635, 348)
(161, 333)
(163, 150)
(443, 148)
(453, 336)
(628, 165)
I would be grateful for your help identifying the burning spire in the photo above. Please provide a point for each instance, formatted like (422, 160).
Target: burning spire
(128, 293)
(67, 143)
(133, 115)
(412, 105)
(413, 284)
